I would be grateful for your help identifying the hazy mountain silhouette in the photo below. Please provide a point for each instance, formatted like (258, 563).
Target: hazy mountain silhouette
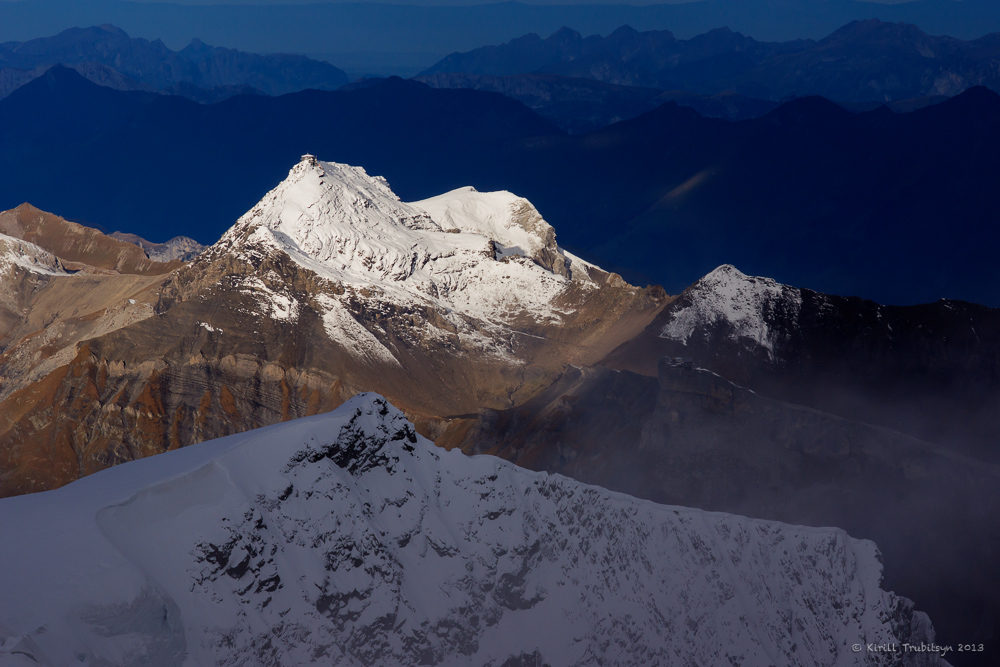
(580, 105)
(862, 61)
(894, 207)
(388, 29)
(153, 66)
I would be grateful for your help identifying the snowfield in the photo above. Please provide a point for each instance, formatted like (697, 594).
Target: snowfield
(347, 539)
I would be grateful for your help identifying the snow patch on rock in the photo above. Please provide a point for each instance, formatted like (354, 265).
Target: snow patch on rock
(277, 305)
(17, 253)
(343, 328)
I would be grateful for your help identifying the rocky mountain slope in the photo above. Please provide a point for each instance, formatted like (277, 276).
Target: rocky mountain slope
(932, 371)
(862, 61)
(465, 310)
(329, 286)
(107, 55)
(348, 539)
(77, 244)
(60, 284)
(880, 420)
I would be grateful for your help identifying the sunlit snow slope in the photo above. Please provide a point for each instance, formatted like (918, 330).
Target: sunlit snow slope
(350, 228)
(347, 539)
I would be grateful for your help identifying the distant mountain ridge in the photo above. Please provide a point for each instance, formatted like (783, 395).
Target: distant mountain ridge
(662, 198)
(583, 105)
(862, 61)
(388, 29)
(198, 71)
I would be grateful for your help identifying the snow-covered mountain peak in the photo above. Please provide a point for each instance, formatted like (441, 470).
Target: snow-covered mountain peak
(375, 435)
(488, 256)
(338, 217)
(729, 298)
(347, 539)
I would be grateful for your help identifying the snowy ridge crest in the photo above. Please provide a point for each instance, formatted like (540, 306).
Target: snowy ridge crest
(346, 539)
(744, 305)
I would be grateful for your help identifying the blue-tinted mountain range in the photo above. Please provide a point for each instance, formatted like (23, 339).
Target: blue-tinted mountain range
(390, 34)
(895, 207)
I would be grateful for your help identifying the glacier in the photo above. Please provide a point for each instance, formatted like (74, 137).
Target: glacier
(348, 539)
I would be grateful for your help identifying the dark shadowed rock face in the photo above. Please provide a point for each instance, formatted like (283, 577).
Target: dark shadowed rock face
(932, 371)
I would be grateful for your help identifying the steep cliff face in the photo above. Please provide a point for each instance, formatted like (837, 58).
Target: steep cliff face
(349, 539)
(329, 286)
(74, 284)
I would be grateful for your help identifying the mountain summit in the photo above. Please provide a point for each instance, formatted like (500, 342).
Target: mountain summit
(486, 256)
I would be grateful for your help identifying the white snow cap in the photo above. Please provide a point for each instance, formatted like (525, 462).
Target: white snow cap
(511, 221)
(348, 539)
(482, 255)
(743, 303)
